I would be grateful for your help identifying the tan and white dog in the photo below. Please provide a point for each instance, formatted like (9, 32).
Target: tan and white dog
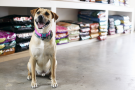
(42, 47)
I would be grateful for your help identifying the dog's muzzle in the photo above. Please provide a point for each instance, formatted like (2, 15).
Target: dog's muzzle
(42, 22)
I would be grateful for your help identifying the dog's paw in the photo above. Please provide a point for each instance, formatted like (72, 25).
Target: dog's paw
(33, 85)
(29, 77)
(54, 84)
(43, 74)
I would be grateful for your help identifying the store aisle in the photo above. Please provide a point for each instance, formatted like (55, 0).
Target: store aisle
(106, 65)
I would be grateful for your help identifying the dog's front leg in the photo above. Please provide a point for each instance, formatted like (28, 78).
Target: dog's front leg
(33, 66)
(53, 71)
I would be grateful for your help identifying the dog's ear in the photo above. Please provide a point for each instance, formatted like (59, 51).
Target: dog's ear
(54, 15)
(33, 11)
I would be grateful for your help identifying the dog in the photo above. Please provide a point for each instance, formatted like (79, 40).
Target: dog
(42, 47)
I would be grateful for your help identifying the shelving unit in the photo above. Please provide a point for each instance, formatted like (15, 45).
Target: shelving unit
(58, 7)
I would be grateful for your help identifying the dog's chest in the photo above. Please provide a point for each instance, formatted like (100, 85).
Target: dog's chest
(41, 50)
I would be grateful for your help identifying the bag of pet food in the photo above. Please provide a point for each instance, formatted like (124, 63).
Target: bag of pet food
(7, 51)
(84, 29)
(95, 35)
(91, 14)
(73, 32)
(23, 36)
(111, 32)
(82, 24)
(94, 26)
(85, 37)
(61, 29)
(73, 38)
(7, 45)
(61, 35)
(18, 28)
(22, 46)
(62, 41)
(70, 27)
(110, 1)
(127, 31)
(102, 37)
(102, 33)
(84, 33)
(15, 20)
(7, 36)
(94, 31)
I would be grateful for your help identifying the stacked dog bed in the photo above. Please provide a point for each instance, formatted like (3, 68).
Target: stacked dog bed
(61, 35)
(73, 30)
(21, 25)
(7, 42)
(111, 26)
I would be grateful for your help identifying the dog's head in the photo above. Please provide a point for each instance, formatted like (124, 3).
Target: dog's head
(43, 17)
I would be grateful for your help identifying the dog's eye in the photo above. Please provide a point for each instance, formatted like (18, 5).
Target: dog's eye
(38, 12)
(46, 13)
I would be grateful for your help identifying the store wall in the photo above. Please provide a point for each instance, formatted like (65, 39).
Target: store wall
(12, 10)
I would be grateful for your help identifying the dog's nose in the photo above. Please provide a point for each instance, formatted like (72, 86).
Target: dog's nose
(40, 18)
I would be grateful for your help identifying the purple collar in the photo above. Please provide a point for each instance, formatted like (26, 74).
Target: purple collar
(43, 35)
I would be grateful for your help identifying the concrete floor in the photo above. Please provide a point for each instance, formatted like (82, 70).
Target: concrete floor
(106, 65)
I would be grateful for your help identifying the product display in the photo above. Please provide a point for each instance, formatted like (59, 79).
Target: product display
(122, 23)
(22, 26)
